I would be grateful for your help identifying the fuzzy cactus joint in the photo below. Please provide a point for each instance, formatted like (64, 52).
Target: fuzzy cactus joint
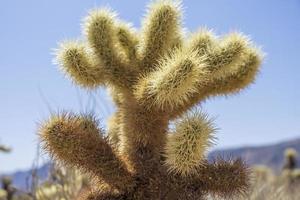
(156, 76)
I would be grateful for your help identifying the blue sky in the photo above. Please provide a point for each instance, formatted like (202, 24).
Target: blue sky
(31, 86)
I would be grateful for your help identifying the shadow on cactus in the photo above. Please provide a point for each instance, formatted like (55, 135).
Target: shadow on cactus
(155, 76)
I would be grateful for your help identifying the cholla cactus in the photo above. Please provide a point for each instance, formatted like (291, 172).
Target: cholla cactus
(7, 190)
(290, 171)
(290, 155)
(154, 76)
(8, 187)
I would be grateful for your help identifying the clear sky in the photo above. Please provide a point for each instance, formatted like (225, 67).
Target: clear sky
(31, 86)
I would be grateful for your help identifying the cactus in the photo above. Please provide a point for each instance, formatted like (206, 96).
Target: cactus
(290, 155)
(290, 171)
(154, 77)
(8, 187)
(7, 191)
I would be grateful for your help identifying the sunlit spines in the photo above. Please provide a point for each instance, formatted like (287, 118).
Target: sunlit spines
(227, 79)
(202, 42)
(100, 30)
(236, 77)
(175, 79)
(228, 53)
(161, 31)
(76, 62)
(77, 141)
(220, 53)
(187, 146)
(128, 40)
(113, 129)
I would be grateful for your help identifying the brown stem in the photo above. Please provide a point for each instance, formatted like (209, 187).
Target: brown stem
(143, 135)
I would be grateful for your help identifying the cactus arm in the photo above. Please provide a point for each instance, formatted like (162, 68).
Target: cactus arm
(221, 53)
(128, 40)
(113, 129)
(76, 141)
(230, 80)
(203, 42)
(205, 69)
(222, 178)
(100, 30)
(172, 83)
(186, 147)
(74, 60)
(232, 65)
(160, 32)
(239, 77)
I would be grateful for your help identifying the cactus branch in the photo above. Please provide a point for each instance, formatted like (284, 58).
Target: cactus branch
(161, 31)
(232, 79)
(186, 147)
(100, 30)
(239, 77)
(172, 84)
(128, 41)
(222, 178)
(76, 63)
(114, 129)
(76, 141)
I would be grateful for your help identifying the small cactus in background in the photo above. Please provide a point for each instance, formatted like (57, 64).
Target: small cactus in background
(8, 187)
(290, 155)
(154, 76)
(290, 171)
(7, 190)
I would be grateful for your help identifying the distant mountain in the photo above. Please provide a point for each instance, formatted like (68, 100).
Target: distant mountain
(23, 179)
(269, 155)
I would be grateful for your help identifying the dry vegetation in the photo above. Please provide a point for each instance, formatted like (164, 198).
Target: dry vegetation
(67, 184)
(62, 184)
(266, 186)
